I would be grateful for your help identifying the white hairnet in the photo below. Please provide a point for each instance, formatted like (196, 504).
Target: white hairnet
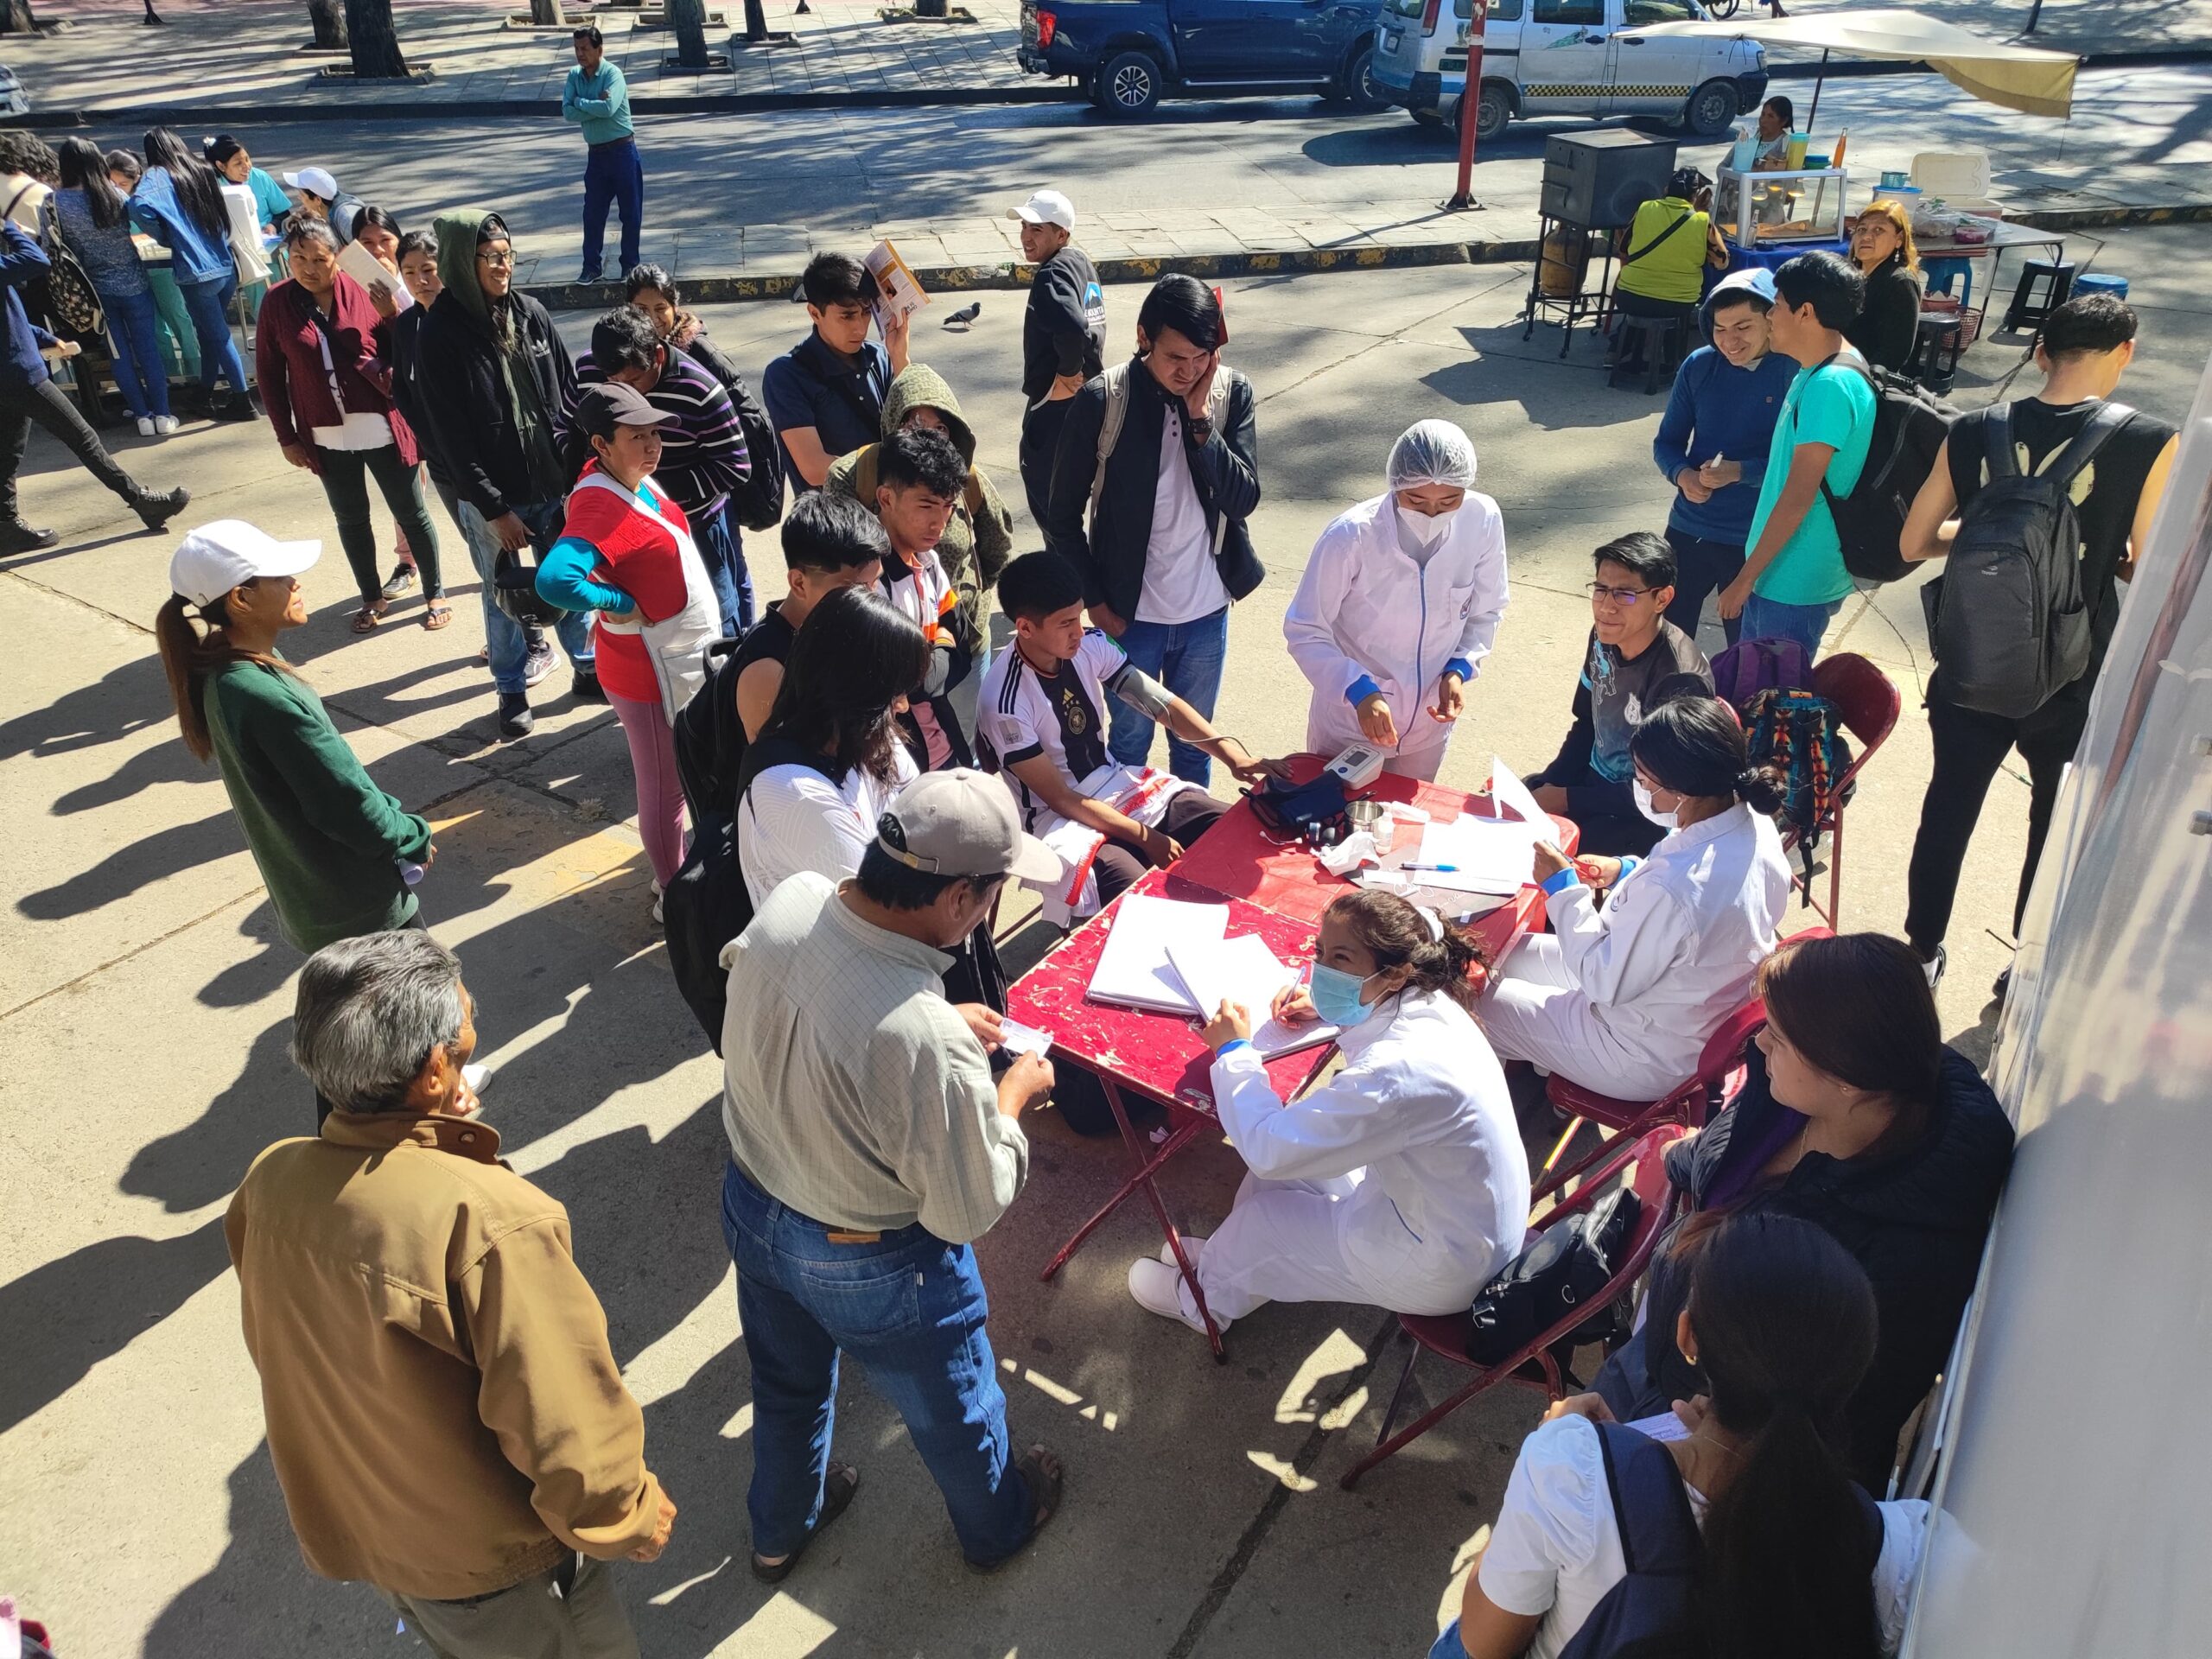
(1433, 452)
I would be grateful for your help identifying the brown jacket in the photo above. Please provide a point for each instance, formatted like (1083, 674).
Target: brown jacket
(444, 1414)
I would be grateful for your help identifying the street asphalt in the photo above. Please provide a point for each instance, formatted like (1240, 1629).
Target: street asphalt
(144, 999)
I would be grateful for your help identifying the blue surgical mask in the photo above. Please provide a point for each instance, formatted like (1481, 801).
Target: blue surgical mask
(1335, 997)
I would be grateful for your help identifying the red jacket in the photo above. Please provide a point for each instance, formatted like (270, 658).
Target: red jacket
(295, 385)
(641, 558)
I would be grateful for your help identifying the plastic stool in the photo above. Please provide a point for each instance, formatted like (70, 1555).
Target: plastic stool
(1942, 336)
(2092, 283)
(1657, 338)
(1942, 273)
(2056, 278)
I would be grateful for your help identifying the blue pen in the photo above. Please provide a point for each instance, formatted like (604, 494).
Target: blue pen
(1452, 869)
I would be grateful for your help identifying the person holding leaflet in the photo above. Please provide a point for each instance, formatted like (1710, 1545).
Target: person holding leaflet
(1400, 604)
(1402, 1181)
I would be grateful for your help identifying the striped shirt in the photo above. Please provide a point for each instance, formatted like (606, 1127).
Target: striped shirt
(702, 455)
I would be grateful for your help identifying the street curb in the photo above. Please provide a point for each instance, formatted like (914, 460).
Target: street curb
(1051, 92)
(1298, 262)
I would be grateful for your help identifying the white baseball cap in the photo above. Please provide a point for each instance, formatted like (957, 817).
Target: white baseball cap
(213, 559)
(1046, 208)
(962, 822)
(314, 179)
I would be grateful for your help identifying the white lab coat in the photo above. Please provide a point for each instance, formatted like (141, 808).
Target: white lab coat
(1366, 608)
(1622, 1000)
(1400, 1183)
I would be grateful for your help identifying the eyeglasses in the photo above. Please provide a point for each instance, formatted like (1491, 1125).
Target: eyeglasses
(506, 258)
(1627, 596)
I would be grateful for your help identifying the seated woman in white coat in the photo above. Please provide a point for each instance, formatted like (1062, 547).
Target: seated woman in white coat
(1400, 1182)
(1398, 604)
(1622, 1000)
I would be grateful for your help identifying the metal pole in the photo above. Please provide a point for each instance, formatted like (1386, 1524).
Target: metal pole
(1814, 114)
(2035, 12)
(1469, 111)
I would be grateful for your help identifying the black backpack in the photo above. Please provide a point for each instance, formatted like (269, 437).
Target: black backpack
(759, 499)
(1564, 1269)
(1910, 423)
(2007, 622)
(709, 738)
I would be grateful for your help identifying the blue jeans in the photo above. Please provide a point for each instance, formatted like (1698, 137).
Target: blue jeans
(207, 304)
(502, 634)
(1448, 1645)
(909, 1307)
(1766, 619)
(1186, 658)
(722, 552)
(613, 175)
(140, 374)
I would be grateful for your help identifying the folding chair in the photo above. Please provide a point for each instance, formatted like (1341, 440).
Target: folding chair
(1533, 1366)
(1867, 703)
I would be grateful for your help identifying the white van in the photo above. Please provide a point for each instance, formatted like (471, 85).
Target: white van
(1563, 57)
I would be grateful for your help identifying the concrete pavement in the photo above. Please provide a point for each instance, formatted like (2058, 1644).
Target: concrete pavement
(144, 1000)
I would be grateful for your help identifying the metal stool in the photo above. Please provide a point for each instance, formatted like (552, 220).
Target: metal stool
(2056, 278)
(1657, 338)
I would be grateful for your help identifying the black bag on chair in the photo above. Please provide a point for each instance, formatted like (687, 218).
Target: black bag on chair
(1566, 1268)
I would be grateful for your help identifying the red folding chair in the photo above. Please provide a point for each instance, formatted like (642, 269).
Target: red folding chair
(1533, 1366)
(1867, 703)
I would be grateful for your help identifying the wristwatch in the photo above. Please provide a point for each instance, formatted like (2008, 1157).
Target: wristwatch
(1199, 430)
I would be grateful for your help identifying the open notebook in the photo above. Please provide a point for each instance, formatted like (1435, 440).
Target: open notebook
(1243, 969)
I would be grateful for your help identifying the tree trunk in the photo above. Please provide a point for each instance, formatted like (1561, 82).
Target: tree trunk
(329, 18)
(689, 19)
(152, 17)
(756, 20)
(929, 7)
(545, 11)
(375, 42)
(16, 17)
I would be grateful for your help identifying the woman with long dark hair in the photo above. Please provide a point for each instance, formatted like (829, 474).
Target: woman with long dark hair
(1856, 1116)
(96, 224)
(179, 202)
(1796, 1559)
(1402, 1182)
(1622, 1000)
(814, 782)
(323, 353)
(333, 849)
(229, 157)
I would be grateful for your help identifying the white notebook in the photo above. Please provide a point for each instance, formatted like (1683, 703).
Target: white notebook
(1134, 969)
(1243, 969)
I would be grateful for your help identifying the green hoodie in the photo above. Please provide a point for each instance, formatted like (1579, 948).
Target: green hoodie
(458, 234)
(979, 536)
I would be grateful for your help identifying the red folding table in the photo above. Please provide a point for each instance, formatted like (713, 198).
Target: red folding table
(1273, 891)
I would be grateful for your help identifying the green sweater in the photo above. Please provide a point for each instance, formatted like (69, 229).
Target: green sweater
(328, 841)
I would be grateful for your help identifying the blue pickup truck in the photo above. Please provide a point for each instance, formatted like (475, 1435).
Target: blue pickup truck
(1127, 55)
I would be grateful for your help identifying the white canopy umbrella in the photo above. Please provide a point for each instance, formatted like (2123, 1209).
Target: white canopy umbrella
(2024, 78)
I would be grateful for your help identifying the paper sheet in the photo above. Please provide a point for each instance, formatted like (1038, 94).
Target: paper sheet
(1511, 796)
(1244, 970)
(1014, 1038)
(361, 265)
(899, 294)
(1133, 968)
(1496, 855)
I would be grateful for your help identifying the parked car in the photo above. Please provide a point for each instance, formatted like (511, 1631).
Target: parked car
(13, 99)
(1127, 54)
(1564, 57)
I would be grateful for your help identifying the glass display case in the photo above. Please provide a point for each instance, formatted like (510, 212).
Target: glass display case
(1765, 208)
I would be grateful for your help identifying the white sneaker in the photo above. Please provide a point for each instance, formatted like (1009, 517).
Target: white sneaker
(146, 428)
(1159, 1289)
(477, 1076)
(657, 902)
(1191, 1245)
(165, 424)
(1933, 967)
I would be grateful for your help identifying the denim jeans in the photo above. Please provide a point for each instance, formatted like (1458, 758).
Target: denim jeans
(1186, 658)
(1448, 1645)
(208, 305)
(141, 373)
(1702, 567)
(1766, 619)
(502, 634)
(722, 552)
(909, 1307)
(613, 176)
(345, 474)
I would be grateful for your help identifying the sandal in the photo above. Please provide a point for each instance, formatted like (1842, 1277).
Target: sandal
(438, 614)
(401, 578)
(837, 1490)
(369, 617)
(1044, 1474)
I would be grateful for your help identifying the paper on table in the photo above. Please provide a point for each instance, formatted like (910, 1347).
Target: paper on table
(1133, 968)
(1489, 854)
(1014, 1038)
(1244, 970)
(897, 294)
(361, 265)
(1509, 794)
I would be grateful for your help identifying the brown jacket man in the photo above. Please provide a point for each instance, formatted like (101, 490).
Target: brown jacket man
(445, 1416)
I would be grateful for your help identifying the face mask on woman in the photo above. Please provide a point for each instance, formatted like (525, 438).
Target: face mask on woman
(1664, 820)
(1335, 997)
(1425, 528)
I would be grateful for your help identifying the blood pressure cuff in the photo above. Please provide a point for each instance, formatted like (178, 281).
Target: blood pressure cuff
(1142, 692)
(1285, 809)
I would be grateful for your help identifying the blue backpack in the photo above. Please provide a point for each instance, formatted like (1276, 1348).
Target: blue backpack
(1649, 1614)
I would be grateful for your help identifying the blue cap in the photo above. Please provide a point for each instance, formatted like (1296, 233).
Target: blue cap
(1758, 280)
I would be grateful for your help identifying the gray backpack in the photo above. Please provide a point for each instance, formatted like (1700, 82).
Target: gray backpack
(1117, 413)
(2007, 621)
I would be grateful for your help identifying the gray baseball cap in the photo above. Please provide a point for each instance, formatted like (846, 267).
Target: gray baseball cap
(962, 822)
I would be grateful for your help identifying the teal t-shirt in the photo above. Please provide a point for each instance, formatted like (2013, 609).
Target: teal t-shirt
(1835, 406)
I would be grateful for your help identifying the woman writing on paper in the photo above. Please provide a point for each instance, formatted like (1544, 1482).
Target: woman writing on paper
(1622, 1000)
(1402, 1181)
(1398, 604)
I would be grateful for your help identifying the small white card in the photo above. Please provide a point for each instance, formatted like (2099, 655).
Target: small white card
(1014, 1038)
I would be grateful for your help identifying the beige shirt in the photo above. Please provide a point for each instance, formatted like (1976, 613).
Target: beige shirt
(855, 1093)
(21, 196)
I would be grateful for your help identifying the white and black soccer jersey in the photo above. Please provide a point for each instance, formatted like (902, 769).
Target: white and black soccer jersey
(1020, 713)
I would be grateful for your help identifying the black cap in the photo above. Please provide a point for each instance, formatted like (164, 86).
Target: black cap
(600, 409)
